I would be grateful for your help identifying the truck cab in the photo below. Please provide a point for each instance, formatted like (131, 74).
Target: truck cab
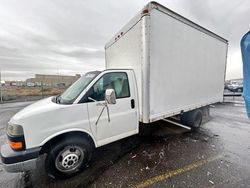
(99, 108)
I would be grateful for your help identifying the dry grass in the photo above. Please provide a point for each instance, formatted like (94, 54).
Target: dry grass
(11, 93)
(37, 91)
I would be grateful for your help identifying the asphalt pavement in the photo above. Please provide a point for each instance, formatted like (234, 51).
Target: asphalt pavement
(163, 155)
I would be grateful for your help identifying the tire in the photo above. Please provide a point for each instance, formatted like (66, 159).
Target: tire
(192, 119)
(68, 157)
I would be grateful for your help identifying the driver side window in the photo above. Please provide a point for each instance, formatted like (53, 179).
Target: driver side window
(117, 81)
(98, 91)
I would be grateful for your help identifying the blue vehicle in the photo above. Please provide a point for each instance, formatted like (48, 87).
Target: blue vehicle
(245, 50)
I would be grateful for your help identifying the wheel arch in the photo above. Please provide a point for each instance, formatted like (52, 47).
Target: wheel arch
(67, 133)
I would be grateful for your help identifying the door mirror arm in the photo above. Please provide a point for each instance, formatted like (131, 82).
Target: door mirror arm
(105, 105)
(98, 103)
(91, 99)
(110, 98)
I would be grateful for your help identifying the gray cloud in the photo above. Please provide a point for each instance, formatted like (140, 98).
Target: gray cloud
(68, 37)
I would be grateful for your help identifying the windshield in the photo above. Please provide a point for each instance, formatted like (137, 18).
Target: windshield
(70, 94)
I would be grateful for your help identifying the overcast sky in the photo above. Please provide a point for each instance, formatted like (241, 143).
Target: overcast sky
(68, 36)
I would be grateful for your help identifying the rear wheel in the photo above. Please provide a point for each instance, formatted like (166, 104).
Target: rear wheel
(68, 157)
(192, 118)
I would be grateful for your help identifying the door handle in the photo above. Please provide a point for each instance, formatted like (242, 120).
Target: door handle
(132, 103)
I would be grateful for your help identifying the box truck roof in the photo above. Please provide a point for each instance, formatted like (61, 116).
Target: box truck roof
(146, 11)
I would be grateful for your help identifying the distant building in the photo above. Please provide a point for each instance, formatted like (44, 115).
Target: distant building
(52, 80)
(20, 83)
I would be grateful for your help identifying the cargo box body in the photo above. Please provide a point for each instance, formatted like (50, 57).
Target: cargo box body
(179, 65)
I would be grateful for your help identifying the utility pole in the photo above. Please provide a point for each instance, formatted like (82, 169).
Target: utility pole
(1, 92)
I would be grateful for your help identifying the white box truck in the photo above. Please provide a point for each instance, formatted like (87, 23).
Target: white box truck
(159, 65)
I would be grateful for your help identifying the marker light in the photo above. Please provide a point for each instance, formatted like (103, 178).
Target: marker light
(145, 11)
(16, 145)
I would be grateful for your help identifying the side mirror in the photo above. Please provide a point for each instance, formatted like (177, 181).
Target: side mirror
(110, 96)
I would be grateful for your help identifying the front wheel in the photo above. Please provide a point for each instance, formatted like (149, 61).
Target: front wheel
(68, 157)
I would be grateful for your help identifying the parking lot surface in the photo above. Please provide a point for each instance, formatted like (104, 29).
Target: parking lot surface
(163, 155)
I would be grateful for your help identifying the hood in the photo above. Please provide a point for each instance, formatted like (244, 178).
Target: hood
(38, 107)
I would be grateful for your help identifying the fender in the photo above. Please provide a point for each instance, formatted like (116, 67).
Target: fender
(68, 131)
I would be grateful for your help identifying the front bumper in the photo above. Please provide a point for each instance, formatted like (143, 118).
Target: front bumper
(19, 161)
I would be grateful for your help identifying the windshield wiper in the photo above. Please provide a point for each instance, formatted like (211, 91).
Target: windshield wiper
(58, 99)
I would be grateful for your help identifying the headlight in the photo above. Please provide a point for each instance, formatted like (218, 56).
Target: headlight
(15, 136)
(14, 130)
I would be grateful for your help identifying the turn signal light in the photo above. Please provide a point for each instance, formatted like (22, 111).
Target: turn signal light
(16, 145)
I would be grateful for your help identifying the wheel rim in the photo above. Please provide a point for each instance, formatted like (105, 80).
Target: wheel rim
(69, 159)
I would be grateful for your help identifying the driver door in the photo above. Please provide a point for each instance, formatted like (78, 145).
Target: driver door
(115, 121)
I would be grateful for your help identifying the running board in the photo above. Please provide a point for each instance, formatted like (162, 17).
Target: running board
(178, 124)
